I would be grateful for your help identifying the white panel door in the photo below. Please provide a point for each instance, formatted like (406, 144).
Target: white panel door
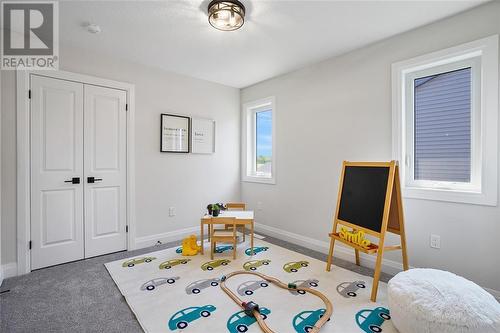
(56, 159)
(105, 170)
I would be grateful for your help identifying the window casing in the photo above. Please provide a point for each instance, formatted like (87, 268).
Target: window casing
(446, 137)
(258, 141)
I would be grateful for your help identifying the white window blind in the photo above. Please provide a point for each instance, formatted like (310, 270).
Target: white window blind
(443, 126)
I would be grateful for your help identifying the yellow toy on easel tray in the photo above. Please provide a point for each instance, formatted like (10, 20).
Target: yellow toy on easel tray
(355, 237)
(189, 246)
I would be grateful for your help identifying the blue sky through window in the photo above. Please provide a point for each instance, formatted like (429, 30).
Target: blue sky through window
(264, 133)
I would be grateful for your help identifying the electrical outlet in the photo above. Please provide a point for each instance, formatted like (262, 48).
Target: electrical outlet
(171, 211)
(259, 205)
(435, 241)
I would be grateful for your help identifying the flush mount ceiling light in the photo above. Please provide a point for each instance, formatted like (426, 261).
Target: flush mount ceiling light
(226, 15)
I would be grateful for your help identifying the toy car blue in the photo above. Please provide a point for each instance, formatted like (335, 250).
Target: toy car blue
(182, 318)
(178, 250)
(223, 248)
(305, 321)
(256, 249)
(371, 321)
(239, 321)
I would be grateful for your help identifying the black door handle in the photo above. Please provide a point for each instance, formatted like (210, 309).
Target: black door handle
(92, 180)
(74, 180)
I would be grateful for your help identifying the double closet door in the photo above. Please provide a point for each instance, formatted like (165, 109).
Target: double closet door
(78, 171)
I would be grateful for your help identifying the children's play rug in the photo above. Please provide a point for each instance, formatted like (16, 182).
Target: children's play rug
(169, 292)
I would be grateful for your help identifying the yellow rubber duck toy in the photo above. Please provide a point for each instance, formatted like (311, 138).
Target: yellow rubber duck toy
(190, 247)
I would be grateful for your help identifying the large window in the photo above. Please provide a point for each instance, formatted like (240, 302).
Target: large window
(258, 141)
(442, 126)
(444, 107)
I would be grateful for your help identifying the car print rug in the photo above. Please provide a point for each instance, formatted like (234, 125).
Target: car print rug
(171, 293)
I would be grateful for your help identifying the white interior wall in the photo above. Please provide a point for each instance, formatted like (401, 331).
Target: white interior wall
(1, 270)
(187, 182)
(335, 110)
(340, 109)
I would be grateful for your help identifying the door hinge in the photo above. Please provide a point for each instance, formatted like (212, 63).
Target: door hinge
(29, 245)
(29, 94)
(126, 107)
(126, 228)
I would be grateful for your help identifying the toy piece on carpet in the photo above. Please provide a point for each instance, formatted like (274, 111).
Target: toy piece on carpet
(252, 309)
(190, 247)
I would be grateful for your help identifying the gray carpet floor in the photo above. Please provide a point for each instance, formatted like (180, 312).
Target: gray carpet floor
(81, 296)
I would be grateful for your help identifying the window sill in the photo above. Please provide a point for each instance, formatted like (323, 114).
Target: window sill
(449, 195)
(257, 179)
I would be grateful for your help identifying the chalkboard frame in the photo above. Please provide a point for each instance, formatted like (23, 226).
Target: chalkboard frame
(387, 205)
(392, 221)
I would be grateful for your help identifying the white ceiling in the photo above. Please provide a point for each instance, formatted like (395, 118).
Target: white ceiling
(277, 37)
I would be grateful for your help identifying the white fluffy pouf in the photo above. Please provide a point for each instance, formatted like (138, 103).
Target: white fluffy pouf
(434, 301)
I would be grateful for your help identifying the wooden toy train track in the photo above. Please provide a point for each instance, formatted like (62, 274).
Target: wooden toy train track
(252, 309)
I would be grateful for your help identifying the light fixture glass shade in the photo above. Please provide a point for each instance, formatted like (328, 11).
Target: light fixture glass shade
(226, 15)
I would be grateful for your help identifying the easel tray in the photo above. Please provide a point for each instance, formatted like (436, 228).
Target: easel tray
(373, 248)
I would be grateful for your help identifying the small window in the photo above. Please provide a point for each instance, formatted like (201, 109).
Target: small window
(264, 142)
(444, 107)
(258, 141)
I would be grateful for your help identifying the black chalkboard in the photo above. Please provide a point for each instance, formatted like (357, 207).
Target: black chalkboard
(363, 196)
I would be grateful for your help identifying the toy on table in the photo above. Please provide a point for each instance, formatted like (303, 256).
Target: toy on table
(189, 246)
(354, 236)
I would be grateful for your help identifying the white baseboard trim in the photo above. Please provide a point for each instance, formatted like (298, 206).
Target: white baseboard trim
(388, 266)
(147, 241)
(8, 270)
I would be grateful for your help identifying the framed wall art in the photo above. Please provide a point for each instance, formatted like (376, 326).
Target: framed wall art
(175, 133)
(202, 136)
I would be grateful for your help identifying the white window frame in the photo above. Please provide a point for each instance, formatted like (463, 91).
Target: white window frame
(249, 111)
(482, 56)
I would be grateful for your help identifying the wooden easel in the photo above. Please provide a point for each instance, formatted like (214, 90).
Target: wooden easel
(392, 221)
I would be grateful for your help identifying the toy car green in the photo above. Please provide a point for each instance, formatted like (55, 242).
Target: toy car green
(135, 261)
(253, 264)
(294, 266)
(256, 249)
(173, 262)
(305, 321)
(371, 321)
(239, 321)
(208, 266)
(182, 318)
